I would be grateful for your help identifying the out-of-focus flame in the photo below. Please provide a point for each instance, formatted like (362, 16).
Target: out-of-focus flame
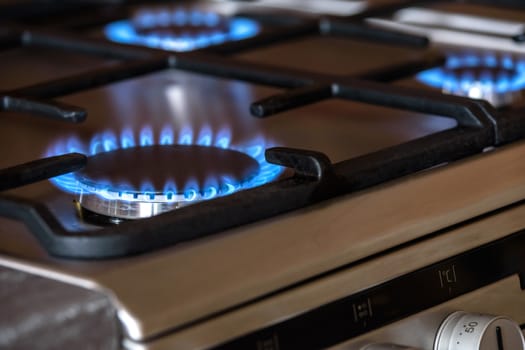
(126, 31)
(477, 76)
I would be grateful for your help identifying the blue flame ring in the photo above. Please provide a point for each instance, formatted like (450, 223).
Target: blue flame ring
(124, 31)
(108, 141)
(442, 78)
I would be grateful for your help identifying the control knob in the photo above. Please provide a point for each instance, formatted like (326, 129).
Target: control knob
(472, 331)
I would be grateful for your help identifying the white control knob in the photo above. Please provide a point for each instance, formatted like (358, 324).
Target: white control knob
(384, 346)
(471, 331)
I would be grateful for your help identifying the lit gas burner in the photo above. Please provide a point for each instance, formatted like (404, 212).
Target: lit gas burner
(127, 178)
(495, 79)
(180, 29)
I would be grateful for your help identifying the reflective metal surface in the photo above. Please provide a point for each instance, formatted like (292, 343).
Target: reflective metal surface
(460, 25)
(26, 66)
(99, 210)
(42, 313)
(140, 182)
(331, 55)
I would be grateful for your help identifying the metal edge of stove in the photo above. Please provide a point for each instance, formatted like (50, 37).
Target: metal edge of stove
(72, 280)
(330, 7)
(255, 322)
(42, 312)
(479, 35)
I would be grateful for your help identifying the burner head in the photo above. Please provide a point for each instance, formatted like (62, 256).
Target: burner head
(495, 79)
(180, 29)
(133, 175)
(140, 182)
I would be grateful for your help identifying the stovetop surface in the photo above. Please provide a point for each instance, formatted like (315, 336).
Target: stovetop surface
(205, 276)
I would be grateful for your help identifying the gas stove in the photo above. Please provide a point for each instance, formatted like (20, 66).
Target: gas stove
(263, 174)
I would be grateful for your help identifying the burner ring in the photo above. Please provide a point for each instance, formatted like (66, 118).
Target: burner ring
(99, 210)
(478, 82)
(180, 29)
(168, 177)
(498, 80)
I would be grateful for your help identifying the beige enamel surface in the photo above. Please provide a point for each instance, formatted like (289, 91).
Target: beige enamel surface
(213, 274)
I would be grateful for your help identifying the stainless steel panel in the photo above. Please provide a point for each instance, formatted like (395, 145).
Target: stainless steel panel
(39, 313)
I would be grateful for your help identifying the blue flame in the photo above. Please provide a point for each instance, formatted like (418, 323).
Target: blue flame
(223, 138)
(166, 136)
(127, 140)
(146, 136)
(125, 32)
(502, 82)
(186, 136)
(191, 191)
(205, 136)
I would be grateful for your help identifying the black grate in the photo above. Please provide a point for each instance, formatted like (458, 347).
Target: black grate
(315, 178)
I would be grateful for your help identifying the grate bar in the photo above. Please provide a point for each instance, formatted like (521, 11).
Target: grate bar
(363, 31)
(511, 125)
(41, 169)
(411, 157)
(466, 112)
(9, 40)
(85, 45)
(94, 78)
(268, 37)
(292, 99)
(231, 68)
(50, 109)
(412, 99)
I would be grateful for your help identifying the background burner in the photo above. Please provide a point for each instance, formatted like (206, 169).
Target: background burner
(196, 25)
(489, 77)
(180, 29)
(141, 182)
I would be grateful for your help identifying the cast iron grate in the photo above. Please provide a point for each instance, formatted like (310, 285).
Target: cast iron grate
(479, 126)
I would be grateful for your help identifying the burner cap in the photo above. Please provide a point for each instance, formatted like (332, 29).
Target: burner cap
(141, 182)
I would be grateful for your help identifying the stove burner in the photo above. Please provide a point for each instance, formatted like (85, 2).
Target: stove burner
(495, 79)
(180, 30)
(113, 183)
(128, 177)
